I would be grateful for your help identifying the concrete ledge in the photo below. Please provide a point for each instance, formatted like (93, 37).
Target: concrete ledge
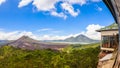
(107, 49)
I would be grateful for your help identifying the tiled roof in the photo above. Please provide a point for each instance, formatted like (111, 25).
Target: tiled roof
(113, 26)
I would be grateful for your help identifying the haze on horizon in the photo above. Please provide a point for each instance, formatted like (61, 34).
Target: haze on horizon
(52, 19)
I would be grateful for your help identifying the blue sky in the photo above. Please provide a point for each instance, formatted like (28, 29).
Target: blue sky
(52, 19)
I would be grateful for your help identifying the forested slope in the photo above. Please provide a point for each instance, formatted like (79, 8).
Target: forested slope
(78, 58)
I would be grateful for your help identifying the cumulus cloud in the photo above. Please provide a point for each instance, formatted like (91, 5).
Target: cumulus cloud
(69, 8)
(44, 5)
(57, 37)
(2, 1)
(50, 6)
(15, 35)
(24, 3)
(91, 31)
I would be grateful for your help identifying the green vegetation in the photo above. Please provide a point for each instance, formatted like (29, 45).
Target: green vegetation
(80, 46)
(79, 57)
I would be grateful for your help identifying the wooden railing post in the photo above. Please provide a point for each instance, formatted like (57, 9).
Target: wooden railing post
(116, 6)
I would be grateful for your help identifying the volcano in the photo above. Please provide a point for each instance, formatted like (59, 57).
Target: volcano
(26, 42)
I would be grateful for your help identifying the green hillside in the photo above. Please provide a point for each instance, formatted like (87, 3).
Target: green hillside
(80, 47)
(79, 57)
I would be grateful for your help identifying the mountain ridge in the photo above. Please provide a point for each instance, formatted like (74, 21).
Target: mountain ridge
(78, 39)
(26, 42)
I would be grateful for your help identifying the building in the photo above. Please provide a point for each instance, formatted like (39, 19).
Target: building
(114, 7)
(109, 39)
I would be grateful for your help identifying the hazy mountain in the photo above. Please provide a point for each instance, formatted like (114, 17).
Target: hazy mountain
(26, 42)
(3, 42)
(81, 39)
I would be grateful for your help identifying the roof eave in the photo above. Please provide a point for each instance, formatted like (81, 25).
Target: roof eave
(111, 8)
(107, 30)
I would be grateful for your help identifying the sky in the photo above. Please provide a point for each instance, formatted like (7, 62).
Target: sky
(52, 19)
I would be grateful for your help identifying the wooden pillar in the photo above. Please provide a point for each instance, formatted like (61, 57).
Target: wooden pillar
(101, 43)
(108, 41)
(116, 7)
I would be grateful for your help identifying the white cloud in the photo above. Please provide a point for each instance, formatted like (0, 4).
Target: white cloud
(54, 13)
(44, 5)
(81, 2)
(41, 5)
(23, 3)
(99, 9)
(7, 35)
(96, 0)
(2, 1)
(91, 31)
(56, 37)
(69, 8)
(44, 29)
(50, 6)
(15, 35)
